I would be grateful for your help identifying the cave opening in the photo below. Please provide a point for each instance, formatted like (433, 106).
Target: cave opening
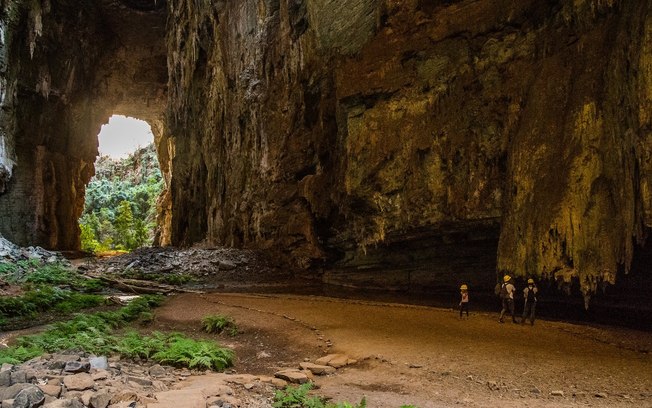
(120, 201)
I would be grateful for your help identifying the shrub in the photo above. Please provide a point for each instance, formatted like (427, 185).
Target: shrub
(219, 324)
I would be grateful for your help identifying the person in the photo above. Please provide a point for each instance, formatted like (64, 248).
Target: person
(530, 296)
(464, 303)
(507, 290)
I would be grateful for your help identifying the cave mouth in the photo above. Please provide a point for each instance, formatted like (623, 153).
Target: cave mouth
(120, 201)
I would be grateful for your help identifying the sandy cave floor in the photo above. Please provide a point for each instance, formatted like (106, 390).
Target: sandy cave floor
(426, 356)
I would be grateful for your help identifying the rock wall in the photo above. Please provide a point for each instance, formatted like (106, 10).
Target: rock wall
(367, 137)
(324, 131)
(68, 68)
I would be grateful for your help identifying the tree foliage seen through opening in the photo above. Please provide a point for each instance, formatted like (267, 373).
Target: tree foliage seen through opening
(120, 208)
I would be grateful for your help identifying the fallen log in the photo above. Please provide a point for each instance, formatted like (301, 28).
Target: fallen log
(140, 287)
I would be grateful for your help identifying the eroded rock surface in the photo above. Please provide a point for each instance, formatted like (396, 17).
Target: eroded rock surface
(456, 138)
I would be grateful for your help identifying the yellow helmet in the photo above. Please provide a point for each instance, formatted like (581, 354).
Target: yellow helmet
(464, 287)
(507, 278)
(530, 281)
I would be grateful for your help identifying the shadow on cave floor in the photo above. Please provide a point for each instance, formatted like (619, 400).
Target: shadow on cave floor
(628, 304)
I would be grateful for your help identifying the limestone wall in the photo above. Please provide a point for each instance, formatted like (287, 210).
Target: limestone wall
(312, 128)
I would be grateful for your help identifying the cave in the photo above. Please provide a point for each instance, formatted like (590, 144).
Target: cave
(403, 145)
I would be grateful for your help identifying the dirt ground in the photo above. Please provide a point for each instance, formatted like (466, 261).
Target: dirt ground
(426, 356)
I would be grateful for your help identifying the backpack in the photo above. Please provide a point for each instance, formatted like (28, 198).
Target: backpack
(503, 291)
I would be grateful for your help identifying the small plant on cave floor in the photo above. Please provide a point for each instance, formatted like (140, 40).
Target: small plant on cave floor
(219, 324)
(297, 397)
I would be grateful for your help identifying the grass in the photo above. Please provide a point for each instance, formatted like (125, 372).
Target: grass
(219, 324)
(94, 333)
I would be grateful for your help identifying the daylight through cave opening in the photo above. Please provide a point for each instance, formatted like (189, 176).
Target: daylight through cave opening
(120, 202)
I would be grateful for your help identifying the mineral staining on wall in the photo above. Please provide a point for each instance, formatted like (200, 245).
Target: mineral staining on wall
(306, 126)
(328, 131)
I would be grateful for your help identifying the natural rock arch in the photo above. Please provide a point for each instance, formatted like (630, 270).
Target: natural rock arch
(70, 68)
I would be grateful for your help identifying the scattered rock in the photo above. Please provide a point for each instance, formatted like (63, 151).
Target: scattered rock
(335, 360)
(226, 265)
(99, 363)
(11, 391)
(317, 369)
(51, 389)
(77, 367)
(29, 397)
(157, 371)
(600, 395)
(5, 378)
(557, 393)
(100, 400)
(535, 390)
(79, 382)
(292, 375)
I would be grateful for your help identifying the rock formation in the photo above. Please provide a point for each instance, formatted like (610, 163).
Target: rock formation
(436, 141)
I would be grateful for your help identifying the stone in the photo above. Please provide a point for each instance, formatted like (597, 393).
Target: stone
(334, 360)
(100, 400)
(557, 393)
(19, 376)
(53, 390)
(85, 397)
(187, 398)
(140, 381)
(226, 265)
(292, 375)
(77, 367)
(8, 403)
(6, 367)
(78, 382)
(157, 371)
(279, 383)
(317, 369)
(99, 363)
(535, 390)
(5, 378)
(29, 397)
(64, 403)
(100, 375)
(600, 395)
(13, 390)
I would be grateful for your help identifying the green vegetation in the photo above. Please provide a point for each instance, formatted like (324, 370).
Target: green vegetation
(45, 287)
(219, 324)
(297, 397)
(94, 333)
(88, 332)
(120, 207)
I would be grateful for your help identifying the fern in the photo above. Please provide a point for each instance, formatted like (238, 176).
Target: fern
(219, 324)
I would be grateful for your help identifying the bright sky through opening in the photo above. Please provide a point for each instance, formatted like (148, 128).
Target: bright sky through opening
(123, 135)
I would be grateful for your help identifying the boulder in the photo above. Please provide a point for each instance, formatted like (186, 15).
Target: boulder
(292, 375)
(317, 369)
(11, 391)
(51, 389)
(29, 397)
(78, 382)
(100, 400)
(77, 367)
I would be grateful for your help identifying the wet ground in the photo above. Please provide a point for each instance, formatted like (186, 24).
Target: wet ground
(426, 356)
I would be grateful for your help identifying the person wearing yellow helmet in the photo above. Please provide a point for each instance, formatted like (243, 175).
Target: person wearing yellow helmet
(507, 290)
(530, 296)
(464, 303)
